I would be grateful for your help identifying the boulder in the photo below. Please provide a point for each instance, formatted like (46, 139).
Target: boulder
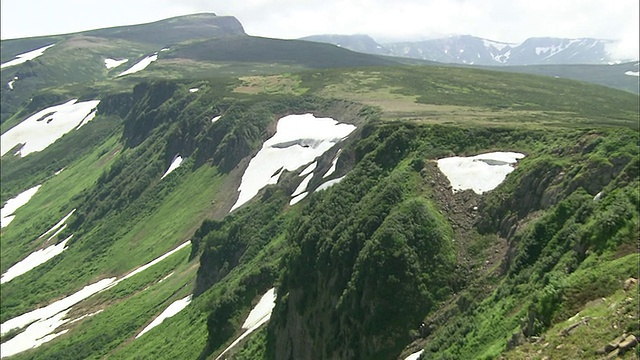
(629, 283)
(628, 343)
(614, 344)
(566, 331)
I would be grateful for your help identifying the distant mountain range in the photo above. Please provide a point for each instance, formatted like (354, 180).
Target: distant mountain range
(471, 50)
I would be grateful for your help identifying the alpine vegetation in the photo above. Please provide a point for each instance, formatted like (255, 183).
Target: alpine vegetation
(240, 197)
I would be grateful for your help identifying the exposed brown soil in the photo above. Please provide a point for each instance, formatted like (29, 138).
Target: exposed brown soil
(461, 209)
(478, 256)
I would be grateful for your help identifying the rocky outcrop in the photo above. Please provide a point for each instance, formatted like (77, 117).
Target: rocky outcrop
(619, 346)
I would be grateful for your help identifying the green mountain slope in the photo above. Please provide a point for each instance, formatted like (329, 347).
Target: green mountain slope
(387, 261)
(613, 76)
(194, 46)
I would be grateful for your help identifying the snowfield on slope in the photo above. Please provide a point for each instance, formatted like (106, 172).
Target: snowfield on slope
(6, 213)
(140, 65)
(262, 309)
(34, 259)
(46, 126)
(42, 322)
(170, 311)
(23, 58)
(328, 184)
(113, 63)
(259, 315)
(480, 173)
(41, 256)
(57, 226)
(299, 140)
(175, 163)
(334, 163)
(415, 355)
(301, 191)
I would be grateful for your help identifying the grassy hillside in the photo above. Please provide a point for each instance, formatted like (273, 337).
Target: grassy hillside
(456, 95)
(264, 50)
(612, 76)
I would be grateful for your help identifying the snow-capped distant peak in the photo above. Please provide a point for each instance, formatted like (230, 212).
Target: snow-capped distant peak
(496, 44)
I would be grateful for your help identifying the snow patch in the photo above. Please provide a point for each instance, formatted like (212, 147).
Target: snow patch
(34, 259)
(300, 192)
(296, 199)
(175, 163)
(632, 73)
(44, 321)
(170, 311)
(36, 334)
(598, 196)
(549, 51)
(165, 278)
(22, 58)
(6, 213)
(46, 126)
(415, 355)
(85, 316)
(88, 118)
(57, 225)
(259, 315)
(332, 169)
(261, 310)
(303, 186)
(113, 63)
(55, 309)
(329, 184)
(10, 83)
(503, 57)
(298, 140)
(150, 264)
(40, 256)
(140, 65)
(480, 173)
(495, 44)
(309, 169)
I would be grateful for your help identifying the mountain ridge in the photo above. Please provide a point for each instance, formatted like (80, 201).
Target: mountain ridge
(472, 50)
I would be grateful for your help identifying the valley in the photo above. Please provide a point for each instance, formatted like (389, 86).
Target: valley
(224, 196)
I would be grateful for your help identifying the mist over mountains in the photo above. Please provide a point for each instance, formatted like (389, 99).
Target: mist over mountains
(471, 50)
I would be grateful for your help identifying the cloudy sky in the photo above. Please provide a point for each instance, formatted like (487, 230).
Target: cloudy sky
(501, 20)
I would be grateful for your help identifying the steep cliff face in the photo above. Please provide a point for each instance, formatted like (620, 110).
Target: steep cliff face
(592, 166)
(374, 258)
(367, 260)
